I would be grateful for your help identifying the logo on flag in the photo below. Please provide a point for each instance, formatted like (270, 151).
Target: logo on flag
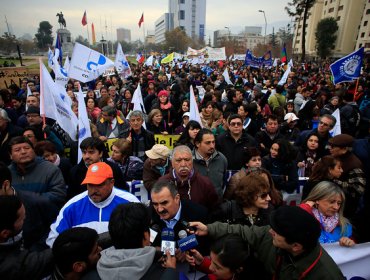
(347, 68)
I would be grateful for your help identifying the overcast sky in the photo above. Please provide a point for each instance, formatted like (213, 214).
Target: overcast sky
(24, 16)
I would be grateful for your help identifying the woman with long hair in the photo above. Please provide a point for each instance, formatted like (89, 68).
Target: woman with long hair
(327, 168)
(155, 122)
(93, 111)
(188, 136)
(326, 203)
(308, 154)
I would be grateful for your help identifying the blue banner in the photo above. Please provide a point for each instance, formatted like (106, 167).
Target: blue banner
(347, 68)
(257, 62)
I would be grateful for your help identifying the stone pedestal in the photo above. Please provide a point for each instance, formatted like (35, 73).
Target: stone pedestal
(65, 37)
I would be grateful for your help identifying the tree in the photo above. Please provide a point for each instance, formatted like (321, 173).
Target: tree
(8, 43)
(44, 35)
(177, 40)
(326, 36)
(300, 8)
(82, 40)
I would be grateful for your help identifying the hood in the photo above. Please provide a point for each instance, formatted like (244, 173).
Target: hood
(125, 263)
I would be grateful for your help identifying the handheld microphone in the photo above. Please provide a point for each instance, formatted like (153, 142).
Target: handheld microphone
(154, 230)
(186, 242)
(168, 241)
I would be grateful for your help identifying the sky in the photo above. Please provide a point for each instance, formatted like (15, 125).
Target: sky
(25, 16)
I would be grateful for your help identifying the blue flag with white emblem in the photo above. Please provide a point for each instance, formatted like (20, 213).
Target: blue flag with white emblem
(347, 68)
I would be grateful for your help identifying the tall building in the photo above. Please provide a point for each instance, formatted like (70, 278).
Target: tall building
(363, 38)
(346, 13)
(123, 34)
(162, 25)
(150, 37)
(189, 15)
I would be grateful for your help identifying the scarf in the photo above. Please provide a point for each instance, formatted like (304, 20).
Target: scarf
(327, 223)
(166, 106)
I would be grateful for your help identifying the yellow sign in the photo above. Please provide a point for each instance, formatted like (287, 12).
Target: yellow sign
(12, 75)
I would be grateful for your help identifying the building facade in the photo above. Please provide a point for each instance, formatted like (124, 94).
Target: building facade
(189, 15)
(363, 38)
(123, 34)
(162, 25)
(348, 14)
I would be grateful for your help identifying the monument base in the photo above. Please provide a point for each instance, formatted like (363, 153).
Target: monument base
(66, 40)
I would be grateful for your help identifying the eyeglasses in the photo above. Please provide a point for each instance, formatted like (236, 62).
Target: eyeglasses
(235, 124)
(324, 124)
(264, 195)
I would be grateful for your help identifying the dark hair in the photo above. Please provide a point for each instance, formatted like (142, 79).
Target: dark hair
(161, 184)
(9, 206)
(88, 98)
(185, 137)
(199, 137)
(271, 117)
(251, 152)
(127, 225)
(124, 146)
(231, 94)
(92, 142)
(111, 111)
(18, 140)
(4, 174)
(320, 170)
(73, 245)
(39, 135)
(232, 117)
(286, 152)
(45, 146)
(304, 144)
(232, 251)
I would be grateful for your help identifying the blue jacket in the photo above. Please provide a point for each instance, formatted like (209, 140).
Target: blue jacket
(82, 211)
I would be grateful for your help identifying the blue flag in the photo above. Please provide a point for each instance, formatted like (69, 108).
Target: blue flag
(58, 45)
(257, 62)
(347, 68)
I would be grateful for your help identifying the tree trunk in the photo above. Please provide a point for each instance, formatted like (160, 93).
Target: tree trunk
(305, 12)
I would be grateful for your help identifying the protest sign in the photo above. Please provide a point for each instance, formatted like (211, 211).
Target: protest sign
(12, 75)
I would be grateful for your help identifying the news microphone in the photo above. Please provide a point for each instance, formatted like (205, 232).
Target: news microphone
(186, 242)
(154, 230)
(168, 241)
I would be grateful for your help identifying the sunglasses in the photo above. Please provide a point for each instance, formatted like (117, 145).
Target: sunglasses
(236, 124)
(264, 195)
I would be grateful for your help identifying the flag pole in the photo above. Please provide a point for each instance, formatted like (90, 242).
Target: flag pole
(144, 38)
(88, 34)
(42, 92)
(355, 93)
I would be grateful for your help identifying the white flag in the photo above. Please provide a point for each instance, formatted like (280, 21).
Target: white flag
(137, 100)
(285, 77)
(149, 61)
(227, 77)
(61, 75)
(29, 92)
(55, 103)
(87, 64)
(336, 129)
(83, 122)
(66, 64)
(121, 63)
(290, 63)
(275, 62)
(194, 111)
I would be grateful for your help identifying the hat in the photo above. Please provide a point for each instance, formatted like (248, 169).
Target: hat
(33, 110)
(163, 92)
(98, 173)
(334, 97)
(341, 140)
(187, 114)
(290, 115)
(296, 225)
(158, 151)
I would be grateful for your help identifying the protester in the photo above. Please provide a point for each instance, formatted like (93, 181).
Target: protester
(188, 136)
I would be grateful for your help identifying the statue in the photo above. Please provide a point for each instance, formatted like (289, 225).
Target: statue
(61, 20)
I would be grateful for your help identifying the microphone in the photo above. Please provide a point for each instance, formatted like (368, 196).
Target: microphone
(168, 241)
(186, 242)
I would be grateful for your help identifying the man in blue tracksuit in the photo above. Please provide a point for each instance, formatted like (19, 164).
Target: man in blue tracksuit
(93, 207)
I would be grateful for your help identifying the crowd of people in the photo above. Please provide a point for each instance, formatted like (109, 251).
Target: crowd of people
(256, 142)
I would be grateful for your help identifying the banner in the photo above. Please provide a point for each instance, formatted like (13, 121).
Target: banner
(353, 262)
(215, 54)
(194, 52)
(254, 61)
(347, 68)
(87, 64)
(239, 57)
(12, 75)
(121, 63)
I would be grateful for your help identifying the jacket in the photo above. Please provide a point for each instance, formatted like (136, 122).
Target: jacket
(312, 265)
(122, 128)
(81, 211)
(130, 264)
(152, 174)
(201, 189)
(148, 143)
(215, 169)
(17, 263)
(234, 150)
(263, 138)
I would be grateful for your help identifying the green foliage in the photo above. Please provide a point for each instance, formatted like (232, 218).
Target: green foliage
(326, 36)
(82, 41)
(177, 40)
(300, 8)
(44, 36)
(8, 43)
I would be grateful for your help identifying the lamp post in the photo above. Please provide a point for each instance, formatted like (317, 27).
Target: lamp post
(264, 15)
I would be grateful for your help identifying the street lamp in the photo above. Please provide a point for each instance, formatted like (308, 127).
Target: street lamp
(264, 15)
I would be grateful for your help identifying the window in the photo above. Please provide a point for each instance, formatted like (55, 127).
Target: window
(340, 8)
(331, 10)
(365, 23)
(326, 3)
(362, 34)
(368, 11)
(338, 18)
(367, 45)
(360, 45)
(182, 14)
(182, 1)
